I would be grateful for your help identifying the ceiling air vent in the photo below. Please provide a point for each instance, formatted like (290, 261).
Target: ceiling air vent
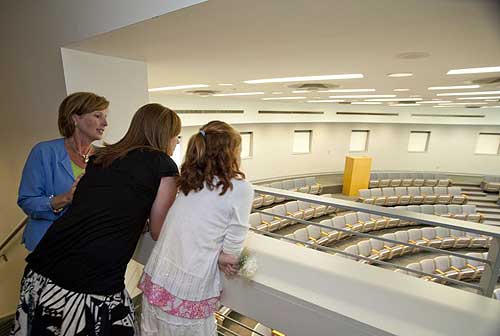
(203, 93)
(436, 115)
(313, 86)
(209, 111)
(369, 113)
(487, 81)
(291, 112)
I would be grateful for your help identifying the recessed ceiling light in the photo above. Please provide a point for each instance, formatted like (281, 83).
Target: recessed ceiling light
(238, 94)
(301, 91)
(473, 70)
(225, 84)
(350, 90)
(366, 103)
(326, 101)
(178, 87)
(394, 99)
(415, 96)
(284, 98)
(491, 100)
(364, 96)
(454, 87)
(449, 104)
(401, 90)
(493, 106)
(400, 74)
(276, 92)
(469, 93)
(434, 102)
(405, 105)
(304, 78)
(478, 98)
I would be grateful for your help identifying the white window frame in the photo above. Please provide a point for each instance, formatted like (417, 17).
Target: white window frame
(425, 146)
(295, 144)
(493, 135)
(250, 145)
(367, 139)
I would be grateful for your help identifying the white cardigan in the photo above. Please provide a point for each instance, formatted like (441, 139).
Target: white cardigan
(198, 226)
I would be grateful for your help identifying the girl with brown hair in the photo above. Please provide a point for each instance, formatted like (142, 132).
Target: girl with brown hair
(74, 280)
(204, 230)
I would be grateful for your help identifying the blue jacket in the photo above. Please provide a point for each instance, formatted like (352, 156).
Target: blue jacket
(46, 172)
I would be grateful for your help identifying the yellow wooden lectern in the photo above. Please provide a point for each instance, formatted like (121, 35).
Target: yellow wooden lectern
(356, 174)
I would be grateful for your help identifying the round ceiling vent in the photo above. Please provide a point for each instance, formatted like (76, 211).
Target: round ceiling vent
(313, 86)
(345, 102)
(473, 106)
(203, 92)
(413, 55)
(487, 81)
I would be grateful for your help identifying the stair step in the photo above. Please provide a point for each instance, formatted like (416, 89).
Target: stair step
(489, 222)
(483, 199)
(468, 184)
(470, 188)
(488, 210)
(473, 193)
(491, 216)
(483, 204)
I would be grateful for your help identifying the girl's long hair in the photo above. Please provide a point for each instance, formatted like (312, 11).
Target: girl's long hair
(211, 153)
(152, 128)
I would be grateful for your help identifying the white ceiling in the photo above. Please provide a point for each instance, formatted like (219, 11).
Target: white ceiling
(229, 41)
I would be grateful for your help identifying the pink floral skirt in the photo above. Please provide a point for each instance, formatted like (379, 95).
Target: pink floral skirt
(166, 301)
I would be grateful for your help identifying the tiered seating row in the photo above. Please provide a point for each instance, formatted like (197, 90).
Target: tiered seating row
(491, 183)
(306, 185)
(463, 212)
(382, 180)
(295, 209)
(313, 235)
(449, 267)
(437, 237)
(412, 195)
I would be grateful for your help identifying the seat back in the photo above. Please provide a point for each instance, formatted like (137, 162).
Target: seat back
(288, 185)
(351, 218)
(292, 206)
(255, 220)
(299, 183)
(441, 209)
(426, 191)
(454, 209)
(365, 193)
(311, 181)
(427, 209)
(455, 191)
(277, 185)
(469, 209)
(388, 191)
(401, 191)
(376, 192)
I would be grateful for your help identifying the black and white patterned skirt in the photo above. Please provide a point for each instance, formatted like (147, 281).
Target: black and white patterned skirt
(46, 309)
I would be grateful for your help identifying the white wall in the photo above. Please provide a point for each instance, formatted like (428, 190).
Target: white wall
(33, 84)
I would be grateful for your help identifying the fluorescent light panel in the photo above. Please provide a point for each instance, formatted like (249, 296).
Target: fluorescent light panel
(434, 102)
(453, 87)
(178, 87)
(400, 74)
(326, 101)
(304, 78)
(364, 96)
(394, 99)
(478, 98)
(473, 70)
(284, 98)
(238, 94)
(366, 103)
(450, 104)
(225, 84)
(469, 93)
(401, 90)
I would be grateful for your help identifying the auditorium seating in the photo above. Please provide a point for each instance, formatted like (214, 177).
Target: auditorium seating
(408, 179)
(452, 267)
(491, 183)
(437, 237)
(463, 212)
(295, 209)
(304, 185)
(391, 196)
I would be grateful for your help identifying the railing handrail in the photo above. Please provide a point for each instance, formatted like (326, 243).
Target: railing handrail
(11, 236)
(432, 220)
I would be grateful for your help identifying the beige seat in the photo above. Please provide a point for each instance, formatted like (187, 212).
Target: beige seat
(470, 211)
(280, 210)
(339, 223)
(262, 330)
(444, 235)
(365, 249)
(443, 197)
(378, 249)
(395, 250)
(292, 210)
(307, 209)
(258, 200)
(255, 221)
(365, 196)
(395, 183)
(364, 219)
(390, 197)
(443, 183)
(458, 265)
(428, 266)
(329, 209)
(351, 220)
(429, 235)
(319, 210)
(271, 222)
(427, 209)
(461, 240)
(268, 199)
(428, 193)
(303, 236)
(378, 196)
(456, 193)
(327, 231)
(443, 268)
(314, 187)
(415, 196)
(402, 236)
(301, 186)
(353, 250)
(402, 194)
(315, 235)
(441, 210)
(277, 185)
(384, 183)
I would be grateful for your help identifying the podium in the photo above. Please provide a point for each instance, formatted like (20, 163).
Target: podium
(356, 174)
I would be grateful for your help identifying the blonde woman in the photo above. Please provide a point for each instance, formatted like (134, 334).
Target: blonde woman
(74, 280)
(51, 172)
(204, 230)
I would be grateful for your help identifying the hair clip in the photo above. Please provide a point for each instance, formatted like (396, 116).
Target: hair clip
(202, 132)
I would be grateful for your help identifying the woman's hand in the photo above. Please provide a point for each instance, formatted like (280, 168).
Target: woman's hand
(228, 264)
(61, 200)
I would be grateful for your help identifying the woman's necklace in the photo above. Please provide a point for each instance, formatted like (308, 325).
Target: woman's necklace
(85, 156)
